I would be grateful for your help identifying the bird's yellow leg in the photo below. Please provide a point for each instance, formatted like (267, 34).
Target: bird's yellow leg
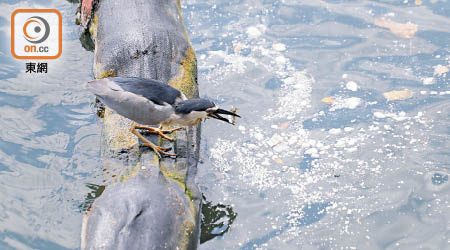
(159, 131)
(158, 150)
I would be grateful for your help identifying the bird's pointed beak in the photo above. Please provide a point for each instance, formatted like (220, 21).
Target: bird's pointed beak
(216, 115)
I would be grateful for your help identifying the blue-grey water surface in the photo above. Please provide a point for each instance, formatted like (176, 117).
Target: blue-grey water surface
(321, 158)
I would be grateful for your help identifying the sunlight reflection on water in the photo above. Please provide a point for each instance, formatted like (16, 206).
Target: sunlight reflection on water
(360, 159)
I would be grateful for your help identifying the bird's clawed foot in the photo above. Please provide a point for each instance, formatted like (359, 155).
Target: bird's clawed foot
(158, 150)
(159, 131)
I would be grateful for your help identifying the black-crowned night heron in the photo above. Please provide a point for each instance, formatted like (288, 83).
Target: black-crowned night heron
(150, 102)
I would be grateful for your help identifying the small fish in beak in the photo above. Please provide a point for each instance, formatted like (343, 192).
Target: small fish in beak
(215, 113)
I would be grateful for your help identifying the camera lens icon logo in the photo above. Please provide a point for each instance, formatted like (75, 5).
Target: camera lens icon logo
(36, 29)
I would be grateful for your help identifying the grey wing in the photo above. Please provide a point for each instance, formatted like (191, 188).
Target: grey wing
(133, 106)
(153, 90)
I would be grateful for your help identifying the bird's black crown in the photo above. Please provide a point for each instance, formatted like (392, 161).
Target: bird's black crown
(187, 106)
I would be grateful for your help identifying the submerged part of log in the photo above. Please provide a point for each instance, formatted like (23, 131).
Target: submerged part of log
(155, 204)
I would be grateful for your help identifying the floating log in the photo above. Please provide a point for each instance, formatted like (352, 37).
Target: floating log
(151, 203)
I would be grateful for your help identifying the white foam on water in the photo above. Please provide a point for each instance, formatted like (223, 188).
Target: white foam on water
(337, 177)
(322, 185)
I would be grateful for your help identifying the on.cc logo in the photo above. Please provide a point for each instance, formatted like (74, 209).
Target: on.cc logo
(36, 34)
